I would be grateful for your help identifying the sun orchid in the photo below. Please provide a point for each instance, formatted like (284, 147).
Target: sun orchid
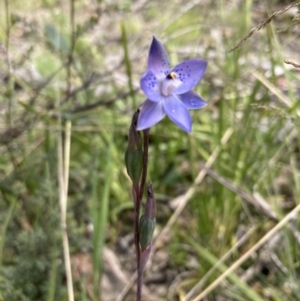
(169, 91)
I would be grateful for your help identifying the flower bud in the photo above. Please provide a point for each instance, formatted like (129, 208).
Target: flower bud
(134, 152)
(148, 220)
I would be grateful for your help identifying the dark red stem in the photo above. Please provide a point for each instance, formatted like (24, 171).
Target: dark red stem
(135, 195)
(139, 285)
(145, 164)
(138, 195)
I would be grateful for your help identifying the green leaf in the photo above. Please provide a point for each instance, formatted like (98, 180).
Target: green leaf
(55, 39)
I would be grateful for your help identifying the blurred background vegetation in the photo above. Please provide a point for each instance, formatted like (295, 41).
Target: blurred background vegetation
(73, 67)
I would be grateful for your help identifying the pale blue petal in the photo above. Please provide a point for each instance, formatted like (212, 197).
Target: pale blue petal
(178, 113)
(189, 72)
(150, 114)
(192, 100)
(150, 86)
(158, 61)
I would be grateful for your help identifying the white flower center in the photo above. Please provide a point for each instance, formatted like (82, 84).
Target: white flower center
(170, 84)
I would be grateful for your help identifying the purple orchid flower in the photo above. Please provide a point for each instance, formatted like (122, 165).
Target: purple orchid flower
(169, 91)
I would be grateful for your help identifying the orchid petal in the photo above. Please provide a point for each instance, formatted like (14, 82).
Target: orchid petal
(158, 61)
(192, 100)
(150, 114)
(189, 72)
(150, 86)
(178, 113)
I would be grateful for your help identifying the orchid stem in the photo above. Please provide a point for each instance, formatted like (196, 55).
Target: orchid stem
(145, 164)
(139, 284)
(138, 196)
(135, 194)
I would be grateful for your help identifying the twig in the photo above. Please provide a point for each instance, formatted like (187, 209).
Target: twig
(102, 102)
(290, 62)
(259, 205)
(63, 175)
(264, 257)
(256, 200)
(72, 44)
(67, 158)
(84, 86)
(243, 258)
(284, 99)
(228, 254)
(263, 23)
